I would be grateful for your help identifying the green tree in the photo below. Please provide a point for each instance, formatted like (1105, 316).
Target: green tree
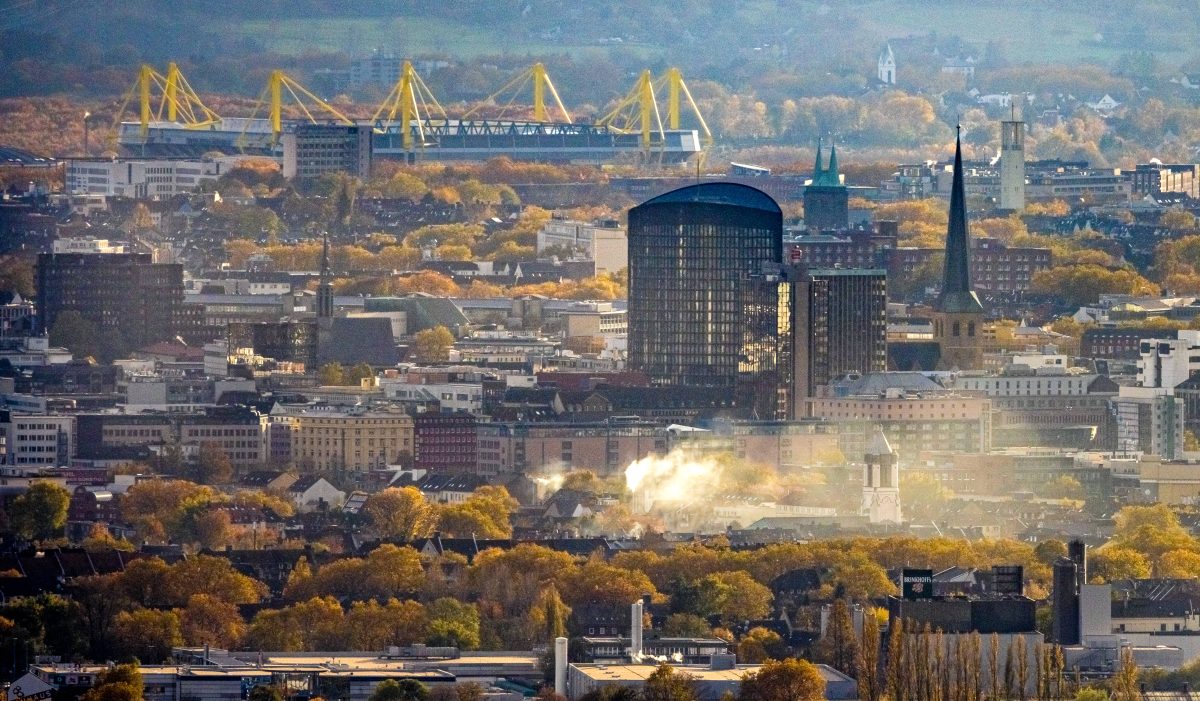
(686, 625)
(75, 333)
(433, 345)
(266, 692)
(358, 373)
(331, 374)
(402, 690)
(453, 623)
(785, 680)
(40, 512)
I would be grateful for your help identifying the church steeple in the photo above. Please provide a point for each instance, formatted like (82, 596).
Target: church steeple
(957, 297)
(831, 173)
(818, 167)
(325, 289)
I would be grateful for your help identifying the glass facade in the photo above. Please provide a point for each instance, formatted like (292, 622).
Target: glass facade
(708, 304)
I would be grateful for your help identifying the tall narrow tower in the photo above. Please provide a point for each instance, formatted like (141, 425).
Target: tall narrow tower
(1012, 163)
(325, 289)
(881, 481)
(886, 66)
(958, 313)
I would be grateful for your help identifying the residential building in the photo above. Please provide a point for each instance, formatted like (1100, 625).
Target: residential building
(1149, 420)
(36, 439)
(444, 442)
(850, 248)
(708, 296)
(606, 448)
(603, 242)
(86, 245)
(1167, 362)
(237, 431)
(996, 266)
(1155, 178)
(914, 412)
(354, 438)
(312, 150)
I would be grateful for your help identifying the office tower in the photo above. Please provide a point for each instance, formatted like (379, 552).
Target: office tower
(958, 313)
(131, 300)
(847, 322)
(709, 299)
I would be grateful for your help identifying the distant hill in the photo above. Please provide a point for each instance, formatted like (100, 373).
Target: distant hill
(58, 46)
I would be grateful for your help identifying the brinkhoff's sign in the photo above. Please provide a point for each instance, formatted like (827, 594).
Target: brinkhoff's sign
(917, 584)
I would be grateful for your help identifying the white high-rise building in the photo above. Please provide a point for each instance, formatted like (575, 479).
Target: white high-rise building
(881, 481)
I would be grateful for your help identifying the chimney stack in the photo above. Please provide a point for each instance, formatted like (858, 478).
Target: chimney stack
(560, 666)
(635, 631)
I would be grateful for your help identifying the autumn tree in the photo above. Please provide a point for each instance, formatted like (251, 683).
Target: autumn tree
(433, 345)
(759, 645)
(839, 647)
(213, 466)
(374, 626)
(665, 684)
(400, 513)
(485, 514)
(1075, 285)
(867, 664)
(208, 620)
(40, 512)
(1124, 684)
(147, 634)
(783, 680)
(548, 615)
(1109, 564)
(734, 596)
(120, 683)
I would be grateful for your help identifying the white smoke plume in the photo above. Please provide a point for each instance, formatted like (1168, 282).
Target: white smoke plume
(679, 477)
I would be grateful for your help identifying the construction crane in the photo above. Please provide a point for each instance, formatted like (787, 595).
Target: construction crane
(638, 111)
(514, 88)
(272, 96)
(177, 101)
(412, 101)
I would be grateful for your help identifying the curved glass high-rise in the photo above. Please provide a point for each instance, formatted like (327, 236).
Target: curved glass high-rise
(708, 302)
